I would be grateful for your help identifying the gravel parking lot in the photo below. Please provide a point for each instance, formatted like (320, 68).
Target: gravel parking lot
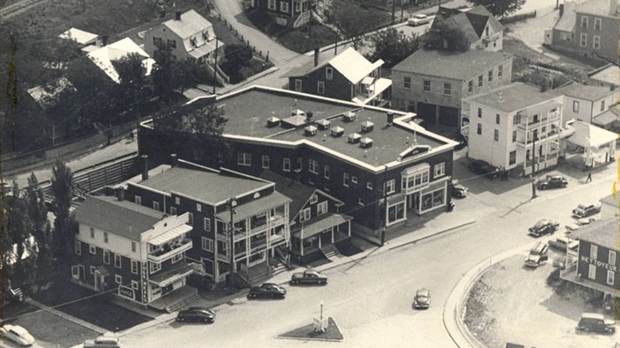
(517, 304)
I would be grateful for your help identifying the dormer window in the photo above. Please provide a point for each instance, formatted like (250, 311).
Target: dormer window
(193, 41)
(205, 36)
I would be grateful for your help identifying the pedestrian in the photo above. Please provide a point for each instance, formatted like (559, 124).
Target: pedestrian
(131, 136)
(589, 178)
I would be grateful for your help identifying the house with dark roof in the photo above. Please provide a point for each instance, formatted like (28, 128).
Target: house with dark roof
(381, 165)
(480, 27)
(589, 104)
(347, 76)
(215, 200)
(316, 225)
(134, 252)
(287, 13)
(432, 83)
(588, 29)
(596, 265)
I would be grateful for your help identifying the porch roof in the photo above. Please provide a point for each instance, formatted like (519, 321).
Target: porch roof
(173, 233)
(589, 135)
(171, 275)
(317, 225)
(255, 207)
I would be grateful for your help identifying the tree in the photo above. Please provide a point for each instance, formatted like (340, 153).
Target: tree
(237, 57)
(446, 36)
(40, 230)
(62, 188)
(500, 8)
(353, 21)
(163, 72)
(392, 46)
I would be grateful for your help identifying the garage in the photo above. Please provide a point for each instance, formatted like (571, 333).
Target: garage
(427, 112)
(448, 116)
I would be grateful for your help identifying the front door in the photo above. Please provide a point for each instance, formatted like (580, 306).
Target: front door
(97, 281)
(326, 238)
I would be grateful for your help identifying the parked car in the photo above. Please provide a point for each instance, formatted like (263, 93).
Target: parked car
(481, 167)
(563, 243)
(103, 342)
(461, 140)
(596, 323)
(418, 19)
(308, 277)
(544, 226)
(270, 290)
(537, 255)
(583, 210)
(459, 191)
(422, 298)
(196, 314)
(17, 334)
(578, 223)
(552, 181)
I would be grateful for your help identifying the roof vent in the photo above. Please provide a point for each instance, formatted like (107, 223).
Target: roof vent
(354, 138)
(323, 124)
(348, 116)
(390, 118)
(367, 126)
(273, 121)
(310, 130)
(298, 112)
(365, 142)
(309, 116)
(337, 131)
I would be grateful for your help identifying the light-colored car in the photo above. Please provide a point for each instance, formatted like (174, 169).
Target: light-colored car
(563, 243)
(103, 342)
(17, 334)
(422, 298)
(418, 19)
(578, 223)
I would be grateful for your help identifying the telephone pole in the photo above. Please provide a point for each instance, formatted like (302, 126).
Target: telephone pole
(534, 135)
(231, 204)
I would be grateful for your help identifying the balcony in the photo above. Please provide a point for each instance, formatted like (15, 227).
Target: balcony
(168, 251)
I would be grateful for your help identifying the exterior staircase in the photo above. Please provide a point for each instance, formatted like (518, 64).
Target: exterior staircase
(330, 251)
(176, 306)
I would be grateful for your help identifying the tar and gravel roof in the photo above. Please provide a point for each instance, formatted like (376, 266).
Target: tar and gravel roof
(514, 97)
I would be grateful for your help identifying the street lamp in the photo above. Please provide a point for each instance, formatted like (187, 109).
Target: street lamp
(231, 204)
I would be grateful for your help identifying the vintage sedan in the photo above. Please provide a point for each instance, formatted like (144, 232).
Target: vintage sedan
(17, 334)
(196, 314)
(418, 19)
(422, 298)
(583, 210)
(552, 181)
(267, 290)
(544, 226)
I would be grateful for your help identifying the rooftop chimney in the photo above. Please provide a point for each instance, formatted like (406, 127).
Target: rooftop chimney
(316, 56)
(177, 16)
(390, 118)
(173, 160)
(145, 167)
(308, 116)
(561, 9)
(120, 193)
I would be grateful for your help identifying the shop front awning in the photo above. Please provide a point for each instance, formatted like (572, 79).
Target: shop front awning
(320, 224)
(170, 235)
(171, 275)
(255, 207)
(589, 135)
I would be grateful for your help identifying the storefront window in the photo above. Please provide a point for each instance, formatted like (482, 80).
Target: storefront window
(396, 212)
(432, 199)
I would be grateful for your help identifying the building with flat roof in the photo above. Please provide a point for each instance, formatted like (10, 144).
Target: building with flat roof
(363, 156)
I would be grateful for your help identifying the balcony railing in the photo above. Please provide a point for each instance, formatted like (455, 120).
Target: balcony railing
(167, 252)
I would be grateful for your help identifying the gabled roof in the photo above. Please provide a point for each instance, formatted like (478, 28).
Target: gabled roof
(350, 63)
(471, 21)
(123, 218)
(607, 74)
(80, 36)
(585, 92)
(104, 56)
(298, 192)
(602, 232)
(587, 135)
(567, 21)
(190, 24)
(479, 16)
(596, 7)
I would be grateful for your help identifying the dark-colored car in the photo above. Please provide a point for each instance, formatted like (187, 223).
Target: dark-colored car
(462, 142)
(543, 227)
(551, 181)
(267, 290)
(596, 323)
(308, 277)
(583, 210)
(459, 191)
(422, 298)
(481, 167)
(196, 314)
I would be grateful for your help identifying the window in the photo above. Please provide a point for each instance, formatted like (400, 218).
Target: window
(138, 200)
(354, 179)
(265, 161)
(329, 73)
(271, 4)
(198, 207)
(105, 237)
(314, 199)
(297, 7)
(135, 285)
(345, 179)
(172, 44)
(591, 271)
(516, 119)
(207, 244)
(298, 85)
(155, 266)
(326, 171)
(369, 185)
(207, 224)
(133, 246)
(92, 233)
(496, 135)
(177, 200)
(426, 87)
(78, 247)
(490, 75)
(321, 208)
(299, 165)
(440, 169)
(320, 87)
(479, 112)
(610, 277)
(470, 86)
(597, 24)
(304, 215)
(284, 6)
(134, 266)
(612, 257)
(190, 219)
(575, 106)
(157, 41)
(360, 201)
(244, 159)
(92, 269)
(512, 157)
(390, 186)
(176, 258)
(514, 136)
(118, 279)
(500, 71)
(596, 42)
(497, 118)
(286, 164)
(480, 80)
(92, 249)
(584, 22)
(583, 40)
(313, 166)
(479, 129)
(407, 82)
(117, 261)
(593, 251)
(447, 89)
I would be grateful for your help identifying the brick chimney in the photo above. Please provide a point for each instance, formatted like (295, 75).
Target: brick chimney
(316, 56)
(177, 16)
(561, 9)
(145, 167)
(173, 160)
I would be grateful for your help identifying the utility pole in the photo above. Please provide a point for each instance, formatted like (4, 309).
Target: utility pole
(231, 204)
(384, 228)
(534, 135)
(215, 66)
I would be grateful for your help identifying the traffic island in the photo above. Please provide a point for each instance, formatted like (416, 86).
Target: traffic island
(332, 333)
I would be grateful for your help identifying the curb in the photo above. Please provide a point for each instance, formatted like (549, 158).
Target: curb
(467, 223)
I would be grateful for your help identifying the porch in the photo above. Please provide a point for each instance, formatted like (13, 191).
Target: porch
(319, 233)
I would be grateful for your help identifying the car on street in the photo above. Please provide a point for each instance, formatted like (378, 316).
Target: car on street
(308, 277)
(17, 334)
(537, 255)
(459, 191)
(563, 243)
(583, 210)
(578, 223)
(481, 167)
(418, 19)
(596, 322)
(551, 181)
(422, 298)
(267, 290)
(196, 314)
(544, 226)
(461, 140)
